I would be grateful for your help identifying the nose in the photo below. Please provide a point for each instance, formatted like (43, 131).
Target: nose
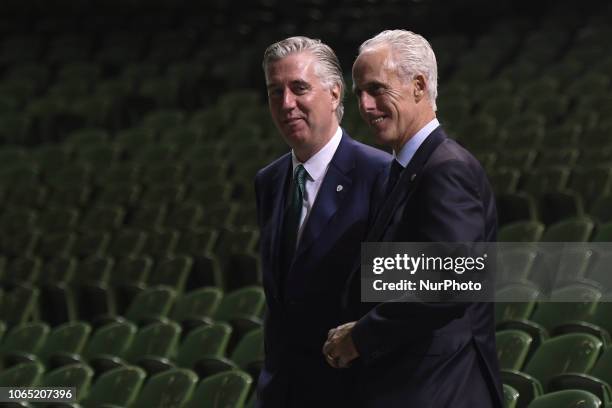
(288, 100)
(366, 102)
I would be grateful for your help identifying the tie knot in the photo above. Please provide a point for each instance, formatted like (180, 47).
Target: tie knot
(299, 176)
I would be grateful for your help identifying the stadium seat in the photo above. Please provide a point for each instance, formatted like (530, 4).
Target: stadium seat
(546, 179)
(23, 342)
(20, 305)
(570, 230)
(172, 388)
(521, 231)
(511, 396)
(172, 272)
(512, 348)
(74, 375)
(601, 210)
(591, 182)
(598, 381)
(117, 387)
(559, 205)
(161, 243)
(149, 216)
(129, 278)
(514, 207)
(229, 389)
(567, 353)
(127, 243)
(22, 375)
(248, 355)
(196, 307)
(567, 398)
(66, 338)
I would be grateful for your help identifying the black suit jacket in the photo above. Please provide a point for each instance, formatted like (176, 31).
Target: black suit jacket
(432, 354)
(304, 301)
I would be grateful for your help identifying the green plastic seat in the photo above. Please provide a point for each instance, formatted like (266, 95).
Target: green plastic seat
(570, 230)
(172, 388)
(20, 305)
(75, 375)
(149, 216)
(598, 381)
(129, 278)
(575, 353)
(601, 209)
(23, 271)
(23, 342)
(171, 194)
(22, 375)
(172, 272)
(127, 243)
(248, 355)
(205, 341)
(66, 338)
(511, 396)
(553, 314)
(521, 231)
(512, 348)
(547, 179)
(103, 218)
(196, 307)
(513, 207)
(228, 389)
(120, 193)
(113, 339)
(161, 243)
(247, 301)
(116, 387)
(567, 399)
(185, 215)
(152, 304)
(156, 339)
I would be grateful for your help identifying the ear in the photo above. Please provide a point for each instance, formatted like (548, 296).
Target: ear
(420, 87)
(335, 95)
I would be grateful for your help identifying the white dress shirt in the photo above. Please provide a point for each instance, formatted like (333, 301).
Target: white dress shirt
(412, 145)
(316, 167)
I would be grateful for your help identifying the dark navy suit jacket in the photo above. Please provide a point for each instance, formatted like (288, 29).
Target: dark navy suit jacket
(432, 354)
(309, 302)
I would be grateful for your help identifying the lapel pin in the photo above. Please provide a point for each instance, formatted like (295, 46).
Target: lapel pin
(413, 177)
(339, 188)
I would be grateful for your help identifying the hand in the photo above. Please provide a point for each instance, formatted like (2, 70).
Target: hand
(339, 349)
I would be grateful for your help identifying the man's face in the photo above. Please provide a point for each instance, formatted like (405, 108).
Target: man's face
(386, 101)
(302, 107)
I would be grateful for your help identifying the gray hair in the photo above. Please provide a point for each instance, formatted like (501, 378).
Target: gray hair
(411, 55)
(327, 68)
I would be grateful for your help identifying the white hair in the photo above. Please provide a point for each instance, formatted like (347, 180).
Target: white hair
(411, 55)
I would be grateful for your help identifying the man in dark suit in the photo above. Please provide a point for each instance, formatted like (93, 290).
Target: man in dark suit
(420, 354)
(313, 208)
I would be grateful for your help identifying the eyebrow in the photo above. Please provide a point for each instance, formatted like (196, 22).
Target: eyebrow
(294, 82)
(370, 85)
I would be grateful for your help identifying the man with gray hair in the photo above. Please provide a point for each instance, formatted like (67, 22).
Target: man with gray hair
(313, 209)
(423, 354)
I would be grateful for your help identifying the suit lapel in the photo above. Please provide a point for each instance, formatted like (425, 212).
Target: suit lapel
(278, 192)
(334, 188)
(405, 184)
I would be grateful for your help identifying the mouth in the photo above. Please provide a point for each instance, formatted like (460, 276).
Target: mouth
(377, 120)
(291, 121)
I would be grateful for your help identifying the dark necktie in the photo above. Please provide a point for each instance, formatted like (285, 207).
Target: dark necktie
(394, 175)
(294, 211)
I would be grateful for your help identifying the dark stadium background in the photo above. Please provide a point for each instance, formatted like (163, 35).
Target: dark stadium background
(130, 133)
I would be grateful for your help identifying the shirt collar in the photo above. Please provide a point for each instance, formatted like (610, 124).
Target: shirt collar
(407, 152)
(317, 164)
